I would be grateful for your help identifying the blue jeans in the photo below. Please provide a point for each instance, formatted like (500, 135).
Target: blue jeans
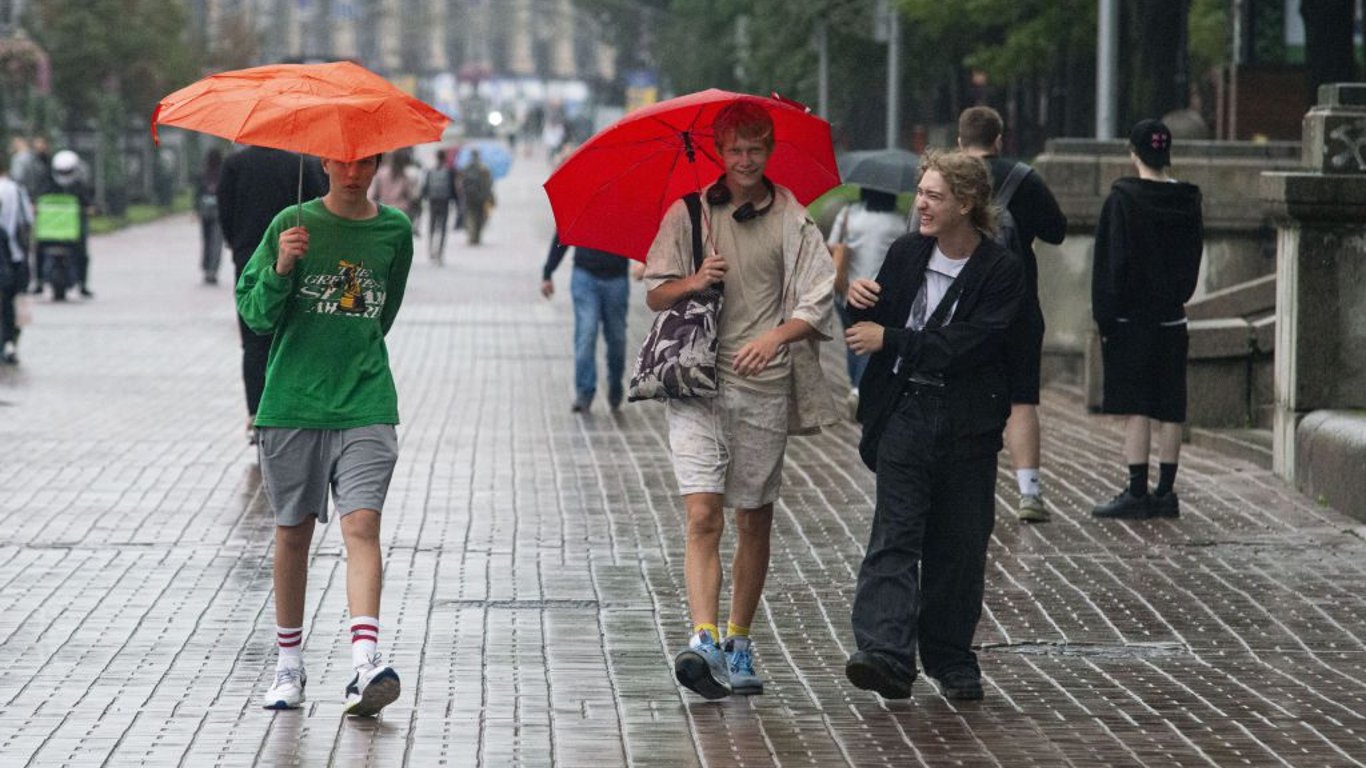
(854, 363)
(598, 301)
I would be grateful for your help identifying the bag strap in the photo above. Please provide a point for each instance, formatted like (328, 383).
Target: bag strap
(694, 202)
(941, 312)
(1011, 184)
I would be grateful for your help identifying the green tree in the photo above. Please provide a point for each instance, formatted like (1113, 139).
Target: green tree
(134, 49)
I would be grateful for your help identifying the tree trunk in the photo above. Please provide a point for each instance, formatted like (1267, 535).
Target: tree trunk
(1160, 76)
(1328, 50)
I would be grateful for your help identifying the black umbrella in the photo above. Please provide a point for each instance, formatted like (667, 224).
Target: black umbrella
(886, 170)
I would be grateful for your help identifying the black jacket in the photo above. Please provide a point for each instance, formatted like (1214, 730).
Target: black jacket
(595, 262)
(257, 183)
(1036, 215)
(967, 351)
(1148, 245)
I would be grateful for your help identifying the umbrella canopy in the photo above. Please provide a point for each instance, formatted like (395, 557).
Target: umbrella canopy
(886, 170)
(612, 192)
(338, 110)
(493, 154)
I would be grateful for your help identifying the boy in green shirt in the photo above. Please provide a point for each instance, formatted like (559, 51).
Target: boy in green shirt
(329, 289)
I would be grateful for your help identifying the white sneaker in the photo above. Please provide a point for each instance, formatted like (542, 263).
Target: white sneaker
(288, 691)
(374, 687)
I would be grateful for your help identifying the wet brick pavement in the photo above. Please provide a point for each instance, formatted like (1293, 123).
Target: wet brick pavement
(533, 590)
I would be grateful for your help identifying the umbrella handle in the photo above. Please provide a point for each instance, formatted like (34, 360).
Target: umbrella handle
(299, 204)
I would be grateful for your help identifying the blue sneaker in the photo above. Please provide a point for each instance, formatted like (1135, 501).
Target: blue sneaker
(701, 668)
(740, 663)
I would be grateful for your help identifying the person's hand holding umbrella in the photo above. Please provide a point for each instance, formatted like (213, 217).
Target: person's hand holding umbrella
(293, 246)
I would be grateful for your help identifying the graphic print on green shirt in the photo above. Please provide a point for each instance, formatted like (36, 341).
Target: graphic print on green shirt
(328, 365)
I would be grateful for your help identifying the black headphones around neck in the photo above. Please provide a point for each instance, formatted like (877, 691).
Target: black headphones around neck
(719, 194)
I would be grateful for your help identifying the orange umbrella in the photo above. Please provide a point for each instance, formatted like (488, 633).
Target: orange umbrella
(338, 110)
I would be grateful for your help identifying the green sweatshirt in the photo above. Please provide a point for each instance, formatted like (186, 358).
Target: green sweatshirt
(328, 366)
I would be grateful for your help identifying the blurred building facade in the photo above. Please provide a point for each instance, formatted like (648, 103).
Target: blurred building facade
(543, 39)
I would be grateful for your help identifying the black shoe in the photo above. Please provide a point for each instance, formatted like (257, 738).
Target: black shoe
(961, 684)
(85, 293)
(871, 672)
(1125, 506)
(1166, 504)
(580, 406)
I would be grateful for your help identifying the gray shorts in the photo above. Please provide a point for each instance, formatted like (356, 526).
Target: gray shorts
(298, 466)
(731, 444)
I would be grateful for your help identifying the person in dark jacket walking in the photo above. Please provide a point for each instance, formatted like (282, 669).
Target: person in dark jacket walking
(933, 403)
(1036, 214)
(256, 183)
(601, 292)
(206, 209)
(1148, 245)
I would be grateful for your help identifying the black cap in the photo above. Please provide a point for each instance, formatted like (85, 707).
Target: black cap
(1152, 142)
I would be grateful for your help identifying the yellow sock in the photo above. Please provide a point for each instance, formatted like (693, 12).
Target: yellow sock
(715, 635)
(735, 630)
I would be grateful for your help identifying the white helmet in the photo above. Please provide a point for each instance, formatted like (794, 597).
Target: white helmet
(65, 162)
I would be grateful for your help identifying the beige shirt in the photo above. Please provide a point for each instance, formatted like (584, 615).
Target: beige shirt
(807, 294)
(753, 251)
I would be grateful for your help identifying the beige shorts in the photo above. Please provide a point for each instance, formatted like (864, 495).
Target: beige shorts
(731, 444)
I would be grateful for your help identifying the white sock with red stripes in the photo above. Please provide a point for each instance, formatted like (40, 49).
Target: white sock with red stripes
(364, 640)
(290, 641)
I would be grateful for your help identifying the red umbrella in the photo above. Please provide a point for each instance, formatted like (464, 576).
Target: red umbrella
(611, 194)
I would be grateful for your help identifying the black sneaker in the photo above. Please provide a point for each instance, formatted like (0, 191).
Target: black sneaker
(871, 672)
(1166, 504)
(961, 684)
(1126, 506)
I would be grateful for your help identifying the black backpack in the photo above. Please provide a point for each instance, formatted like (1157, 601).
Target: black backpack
(1007, 231)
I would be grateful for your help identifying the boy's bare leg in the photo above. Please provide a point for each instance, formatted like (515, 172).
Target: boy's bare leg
(749, 568)
(1137, 439)
(291, 571)
(364, 569)
(702, 558)
(1022, 436)
(1168, 441)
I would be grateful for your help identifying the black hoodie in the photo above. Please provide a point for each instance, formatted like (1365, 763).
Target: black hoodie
(1148, 245)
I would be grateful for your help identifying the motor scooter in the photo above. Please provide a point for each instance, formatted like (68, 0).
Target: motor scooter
(57, 237)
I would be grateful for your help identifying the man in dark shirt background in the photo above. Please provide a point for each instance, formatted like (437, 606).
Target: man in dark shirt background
(600, 290)
(257, 183)
(1036, 214)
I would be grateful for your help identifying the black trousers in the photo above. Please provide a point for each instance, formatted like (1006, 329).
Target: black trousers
(920, 586)
(255, 348)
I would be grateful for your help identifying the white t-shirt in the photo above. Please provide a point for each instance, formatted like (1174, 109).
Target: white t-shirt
(940, 272)
(867, 234)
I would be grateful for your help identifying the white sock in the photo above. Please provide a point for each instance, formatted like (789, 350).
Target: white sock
(290, 643)
(364, 640)
(1028, 480)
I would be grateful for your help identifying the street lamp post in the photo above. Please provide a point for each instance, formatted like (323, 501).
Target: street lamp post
(1107, 63)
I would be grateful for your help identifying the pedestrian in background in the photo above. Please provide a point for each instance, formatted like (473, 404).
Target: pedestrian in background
(1149, 242)
(206, 209)
(935, 399)
(1031, 211)
(329, 408)
(439, 190)
(476, 195)
(396, 186)
(601, 294)
(255, 184)
(71, 177)
(16, 217)
(728, 450)
(859, 238)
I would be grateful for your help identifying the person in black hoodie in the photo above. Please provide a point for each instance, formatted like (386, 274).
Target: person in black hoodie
(1148, 246)
(933, 402)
